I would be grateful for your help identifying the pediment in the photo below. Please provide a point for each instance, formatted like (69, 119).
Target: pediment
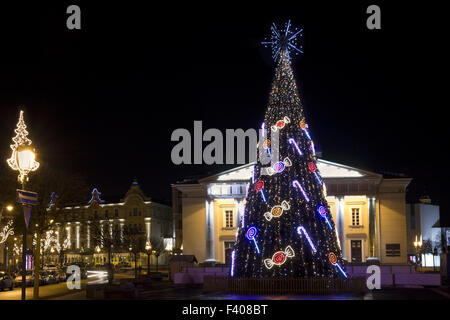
(327, 170)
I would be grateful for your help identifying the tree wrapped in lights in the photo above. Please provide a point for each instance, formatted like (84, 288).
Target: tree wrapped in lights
(287, 230)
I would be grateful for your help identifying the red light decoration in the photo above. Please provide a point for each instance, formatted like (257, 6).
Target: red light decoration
(312, 167)
(259, 185)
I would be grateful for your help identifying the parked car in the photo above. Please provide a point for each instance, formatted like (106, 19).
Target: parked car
(29, 278)
(123, 266)
(51, 277)
(50, 267)
(6, 281)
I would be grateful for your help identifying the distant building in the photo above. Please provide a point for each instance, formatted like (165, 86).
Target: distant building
(74, 229)
(369, 211)
(422, 220)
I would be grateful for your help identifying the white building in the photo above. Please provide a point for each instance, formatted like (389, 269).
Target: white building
(422, 220)
(369, 211)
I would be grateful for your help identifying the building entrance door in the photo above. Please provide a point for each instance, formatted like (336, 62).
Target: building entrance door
(356, 251)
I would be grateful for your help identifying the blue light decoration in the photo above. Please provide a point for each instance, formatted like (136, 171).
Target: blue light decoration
(323, 213)
(232, 263)
(318, 178)
(250, 234)
(307, 133)
(53, 196)
(295, 183)
(96, 196)
(341, 270)
(286, 39)
(253, 175)
(292, 141)
(301, 230)
(279, 166)
(313, 149)
(263, 196)
(333, 260)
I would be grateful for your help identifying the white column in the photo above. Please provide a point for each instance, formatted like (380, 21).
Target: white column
(148, 228)
(210, 231)
(372, 227)
(77, 235)
(69, 236)
(88, 235)
(239, 214)
(340, 224)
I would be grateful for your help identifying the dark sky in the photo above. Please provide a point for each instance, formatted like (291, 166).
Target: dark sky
(104, 101)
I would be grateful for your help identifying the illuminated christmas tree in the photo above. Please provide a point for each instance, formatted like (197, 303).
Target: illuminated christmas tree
(286, 230)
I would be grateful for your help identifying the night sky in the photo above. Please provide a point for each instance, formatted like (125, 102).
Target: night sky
(104, 100)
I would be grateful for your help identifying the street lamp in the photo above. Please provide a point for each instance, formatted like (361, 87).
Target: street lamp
(8, 208)
(23, 159)
(418, 246)
(148, 249)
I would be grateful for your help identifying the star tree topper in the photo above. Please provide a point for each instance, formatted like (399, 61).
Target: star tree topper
(285, 39)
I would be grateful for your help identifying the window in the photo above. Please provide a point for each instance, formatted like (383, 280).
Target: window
(355, 217)
(135, 212)
(393, 250)
(229, 219)
(106, 214)
(228, 249)
(116, 213)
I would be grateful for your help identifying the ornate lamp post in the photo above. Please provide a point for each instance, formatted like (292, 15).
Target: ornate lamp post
(148, 249)
(23, 160)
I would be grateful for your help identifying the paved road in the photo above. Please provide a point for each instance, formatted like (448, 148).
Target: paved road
(45, 292)
(56, 291)
(169, 292)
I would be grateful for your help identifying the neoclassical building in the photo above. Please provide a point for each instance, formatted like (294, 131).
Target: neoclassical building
(74, 228)
(369, 211)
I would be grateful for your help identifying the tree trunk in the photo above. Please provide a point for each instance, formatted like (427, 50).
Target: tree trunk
(135, 266)
(37, 265)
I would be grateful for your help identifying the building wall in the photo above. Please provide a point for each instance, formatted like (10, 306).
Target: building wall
(194, 227)
(221, 232)
(389, 212)
(391, 215)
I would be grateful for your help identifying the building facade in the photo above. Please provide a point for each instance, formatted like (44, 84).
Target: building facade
(81, 231)
(369, 212)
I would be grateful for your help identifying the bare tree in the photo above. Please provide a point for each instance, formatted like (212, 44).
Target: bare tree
(107, 236)
(134, 243)
(157, 248)
(47, 182)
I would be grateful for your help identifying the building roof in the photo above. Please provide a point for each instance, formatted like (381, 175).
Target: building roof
(98, 198)
(327, 169)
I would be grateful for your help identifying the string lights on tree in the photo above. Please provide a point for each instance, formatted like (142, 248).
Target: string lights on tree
(290, 233)
(8, 230)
